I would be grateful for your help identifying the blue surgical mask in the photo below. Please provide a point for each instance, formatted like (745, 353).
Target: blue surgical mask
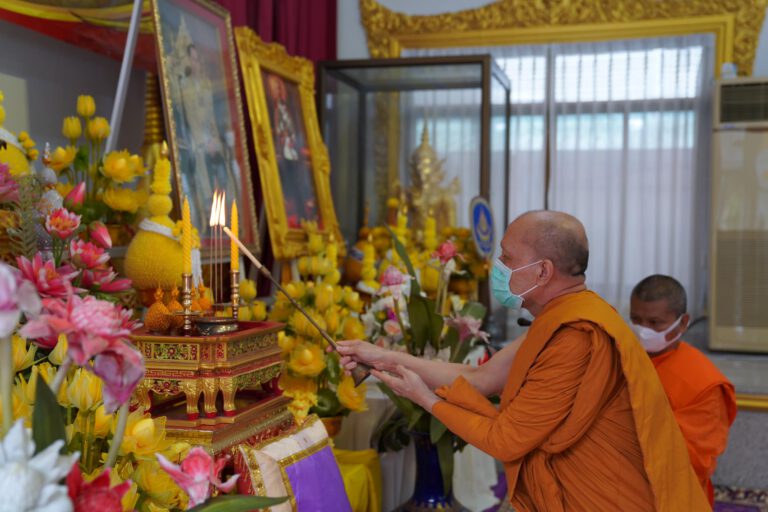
(500, 276)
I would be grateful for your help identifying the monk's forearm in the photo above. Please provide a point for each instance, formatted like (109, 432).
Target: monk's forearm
(434, 373)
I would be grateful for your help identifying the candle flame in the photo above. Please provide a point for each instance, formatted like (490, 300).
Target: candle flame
(214, 214)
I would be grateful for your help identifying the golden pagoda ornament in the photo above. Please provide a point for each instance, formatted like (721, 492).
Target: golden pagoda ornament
(427, 191)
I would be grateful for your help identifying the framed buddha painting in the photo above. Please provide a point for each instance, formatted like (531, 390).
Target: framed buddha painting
(203, 110)
(293, 161)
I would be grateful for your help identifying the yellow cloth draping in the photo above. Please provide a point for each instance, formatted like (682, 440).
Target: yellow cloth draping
(361, 472)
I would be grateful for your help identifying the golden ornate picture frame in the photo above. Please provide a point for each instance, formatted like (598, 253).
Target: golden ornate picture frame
(203, 111)
(287, 142)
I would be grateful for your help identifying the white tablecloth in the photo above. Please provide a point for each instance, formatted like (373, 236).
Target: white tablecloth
(474, 471)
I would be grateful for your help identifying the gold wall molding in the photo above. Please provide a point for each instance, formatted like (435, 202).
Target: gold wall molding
(735, 23)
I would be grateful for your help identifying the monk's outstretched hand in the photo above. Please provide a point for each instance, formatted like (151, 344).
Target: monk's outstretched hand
(408, 384)
(356, 351)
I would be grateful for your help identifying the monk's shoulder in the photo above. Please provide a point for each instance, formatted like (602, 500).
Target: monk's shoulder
(690, 373)
(570, 337)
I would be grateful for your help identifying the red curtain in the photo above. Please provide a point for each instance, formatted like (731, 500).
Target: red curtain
(305, 27)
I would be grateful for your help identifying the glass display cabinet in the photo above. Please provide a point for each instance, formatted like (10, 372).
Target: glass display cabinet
(432, 132)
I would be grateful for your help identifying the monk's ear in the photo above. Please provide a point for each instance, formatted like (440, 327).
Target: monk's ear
(684, 322)
(546, 272)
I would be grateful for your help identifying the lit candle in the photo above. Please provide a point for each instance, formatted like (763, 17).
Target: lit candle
(235, 255)
(186, 237)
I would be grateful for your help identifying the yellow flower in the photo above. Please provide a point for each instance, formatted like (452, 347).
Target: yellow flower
(23, 354)
(27, 389)
(102, 422)
(122, 167)
(64, 188)
(332, 320)
(285, 342)
(98, 129)
(353, 329)
(61, 158)
(352, 300)
(144, 435)
(307, 359)
(247, 290)
(315, 243)
(295, 289)
(292, 386)
(124, 199)
(86, 107)
(302, 326)
(301, 404)
(430, 278)
(48, 373)
(72, 129)
(21, 409)
(259, 310)
(59, 352)
(244, 314)
(324, 297)
(157, 487)
(84, 390)
(351, 397)
(161, 181)
(281, 311)
(32, 154)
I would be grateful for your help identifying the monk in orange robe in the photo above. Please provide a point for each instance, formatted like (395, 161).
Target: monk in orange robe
(702, 398)
(583, 423)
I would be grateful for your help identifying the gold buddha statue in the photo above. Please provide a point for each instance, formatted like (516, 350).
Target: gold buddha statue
(427, 191)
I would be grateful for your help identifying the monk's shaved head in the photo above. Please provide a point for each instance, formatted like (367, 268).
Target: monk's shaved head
(661, 287)
(558, 237)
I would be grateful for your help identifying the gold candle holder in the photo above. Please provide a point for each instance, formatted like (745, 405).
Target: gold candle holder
(235, 285)
(186, 301)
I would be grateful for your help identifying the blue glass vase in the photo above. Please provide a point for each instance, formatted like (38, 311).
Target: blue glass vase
(429, 492)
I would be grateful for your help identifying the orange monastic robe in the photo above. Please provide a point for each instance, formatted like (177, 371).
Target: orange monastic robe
(583, 423)
(704, 403)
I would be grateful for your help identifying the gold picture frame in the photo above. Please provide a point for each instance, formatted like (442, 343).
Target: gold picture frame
(289, 147)
(203, 111)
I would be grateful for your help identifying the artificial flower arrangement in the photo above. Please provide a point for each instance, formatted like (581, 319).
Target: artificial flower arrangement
(402, 317)
(111, 194)
(312, 377)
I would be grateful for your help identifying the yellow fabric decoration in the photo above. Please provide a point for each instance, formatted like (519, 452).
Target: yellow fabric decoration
(361, 472)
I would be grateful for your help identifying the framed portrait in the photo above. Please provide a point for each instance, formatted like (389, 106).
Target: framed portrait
(294, 168)
(203, 112)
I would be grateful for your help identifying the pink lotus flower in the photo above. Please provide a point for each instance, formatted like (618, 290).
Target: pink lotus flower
(446, 252)
(104, 280)
(468, 327)
(48, 280)
(95, 495)
(76, 197)
(99, 234)
(197, 475)
(121, 367)
(86, 255)
(9, 189)
(16, 296)
(91, 325)
(392, 277)
(392, 328)
(62, 223)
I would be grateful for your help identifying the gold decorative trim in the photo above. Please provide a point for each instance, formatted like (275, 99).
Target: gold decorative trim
(255, 55)
(736, 25)
(747, 402)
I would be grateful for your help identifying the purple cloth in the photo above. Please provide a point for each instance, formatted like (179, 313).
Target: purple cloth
(317, 484)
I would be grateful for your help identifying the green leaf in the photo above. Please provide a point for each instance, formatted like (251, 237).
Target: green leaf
(333, 368)
(451, 339)
(24, 236)
(445, 457)
(473, 309)
(400, 249)
(418, 315)
(462, 350)
(403, 404)
(47, 420)
(418, 414)
(436, 429)
(327, 404)
(237, 503)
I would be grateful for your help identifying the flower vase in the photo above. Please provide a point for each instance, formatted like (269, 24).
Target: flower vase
(429, 492)
(332, 425)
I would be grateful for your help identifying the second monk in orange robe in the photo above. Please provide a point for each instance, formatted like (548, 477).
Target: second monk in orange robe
(583, 423)
(702, 398)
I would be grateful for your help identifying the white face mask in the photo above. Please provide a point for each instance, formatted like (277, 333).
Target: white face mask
(655, 341)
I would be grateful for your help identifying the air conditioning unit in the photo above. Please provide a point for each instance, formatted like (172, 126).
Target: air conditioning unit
(738, 302)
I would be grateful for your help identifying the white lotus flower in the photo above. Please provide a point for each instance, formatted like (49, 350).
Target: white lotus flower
(31, 483)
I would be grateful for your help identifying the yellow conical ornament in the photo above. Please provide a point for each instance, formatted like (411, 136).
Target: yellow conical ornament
(12, 150)
(173, 306)
(203, 299)
(154, 256)
(158, 317)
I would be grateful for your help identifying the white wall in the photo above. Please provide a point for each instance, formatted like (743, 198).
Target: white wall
(352, 44)
(41, 78)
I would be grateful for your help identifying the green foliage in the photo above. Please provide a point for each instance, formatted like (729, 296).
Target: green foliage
(328, 404)
(24, 236)
(444, 447)
(47, 420)
(237, 504)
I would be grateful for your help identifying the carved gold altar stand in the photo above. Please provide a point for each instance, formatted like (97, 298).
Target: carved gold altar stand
(231, 377)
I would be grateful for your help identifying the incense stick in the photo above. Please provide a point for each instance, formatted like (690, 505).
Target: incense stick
(362, 370)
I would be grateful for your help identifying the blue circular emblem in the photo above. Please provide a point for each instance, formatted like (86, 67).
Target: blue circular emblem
(482, 226)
